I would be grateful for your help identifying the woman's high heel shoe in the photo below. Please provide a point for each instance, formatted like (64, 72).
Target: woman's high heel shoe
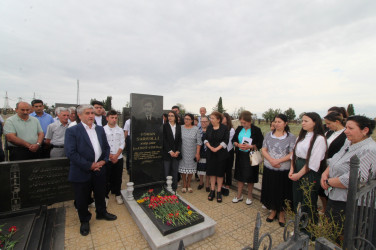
(211, 195)
(219, 197)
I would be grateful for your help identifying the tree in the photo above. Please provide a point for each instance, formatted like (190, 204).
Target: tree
(107, 104)
(290, 113)
(301, 116)
(237, 112)
(181, 108)
(270, 114)
(350, 109)
(219, 106)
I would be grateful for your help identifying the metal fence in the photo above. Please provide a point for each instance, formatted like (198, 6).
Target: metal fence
(360, 210)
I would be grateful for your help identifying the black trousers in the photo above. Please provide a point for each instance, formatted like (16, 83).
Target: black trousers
(114, 174)
(228, 168)
(21, 154)
(82, 191)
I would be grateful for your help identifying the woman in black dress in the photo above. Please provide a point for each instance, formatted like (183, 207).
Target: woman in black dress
(244, 172)
(217, 136)
(171, 147)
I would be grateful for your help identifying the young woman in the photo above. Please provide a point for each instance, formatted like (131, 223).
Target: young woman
(191, 145)
(216, 141)
(172, 147)
(308, 162)
(230, 160)
(244, 172)
(201, 164)
(276, 186)
(335, 138)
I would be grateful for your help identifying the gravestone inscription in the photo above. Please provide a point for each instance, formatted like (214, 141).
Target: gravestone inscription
(146, 134)
(31, 183)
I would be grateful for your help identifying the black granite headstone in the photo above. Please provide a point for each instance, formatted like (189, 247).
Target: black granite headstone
(25, 184)
(146, 134)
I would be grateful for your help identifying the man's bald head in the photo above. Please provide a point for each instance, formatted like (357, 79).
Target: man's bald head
(23, 110)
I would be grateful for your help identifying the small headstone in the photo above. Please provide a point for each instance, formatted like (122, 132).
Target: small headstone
(146, 134)
(25, 184)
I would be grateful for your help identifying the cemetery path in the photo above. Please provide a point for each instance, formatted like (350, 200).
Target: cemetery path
(234, 229)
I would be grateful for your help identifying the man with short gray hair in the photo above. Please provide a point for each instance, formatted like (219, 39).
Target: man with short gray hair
(56, 133)
(87, 149)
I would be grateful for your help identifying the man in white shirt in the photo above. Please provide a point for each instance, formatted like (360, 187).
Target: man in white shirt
(114, 168)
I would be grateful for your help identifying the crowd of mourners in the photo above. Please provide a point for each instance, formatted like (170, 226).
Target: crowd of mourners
(207, 147)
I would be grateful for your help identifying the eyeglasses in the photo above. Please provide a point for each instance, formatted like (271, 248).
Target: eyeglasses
(187, 119)
(171, 116)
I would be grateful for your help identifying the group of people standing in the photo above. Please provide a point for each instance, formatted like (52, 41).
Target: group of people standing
(318, 159)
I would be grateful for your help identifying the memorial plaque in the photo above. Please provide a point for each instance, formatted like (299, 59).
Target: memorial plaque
(31, 183)
(146, 134)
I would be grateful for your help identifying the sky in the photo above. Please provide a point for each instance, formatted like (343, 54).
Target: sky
(307, 55)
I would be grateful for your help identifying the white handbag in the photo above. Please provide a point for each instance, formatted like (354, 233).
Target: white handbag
(255, 157)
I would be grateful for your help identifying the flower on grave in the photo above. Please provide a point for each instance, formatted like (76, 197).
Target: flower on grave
(151, 190)
(189, 212)
(12, 229)
(140, 201)
(188, 207)
(177, 214)
(169, 223)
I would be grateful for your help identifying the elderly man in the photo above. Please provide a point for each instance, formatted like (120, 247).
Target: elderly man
(73, 115)
(87, 149)
(56, 133)
(202, 114)
(24, 134)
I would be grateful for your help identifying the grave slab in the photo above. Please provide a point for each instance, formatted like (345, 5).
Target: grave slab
(153, 236)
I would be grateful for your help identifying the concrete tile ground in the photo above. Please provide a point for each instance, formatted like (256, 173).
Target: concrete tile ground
(234, 230)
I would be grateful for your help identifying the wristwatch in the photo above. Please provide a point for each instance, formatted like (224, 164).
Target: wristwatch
(38, 144)
(327, 182)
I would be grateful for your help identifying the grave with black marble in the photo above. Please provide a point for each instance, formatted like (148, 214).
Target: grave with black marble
(26, 189)
(147, 172)
(146, 134)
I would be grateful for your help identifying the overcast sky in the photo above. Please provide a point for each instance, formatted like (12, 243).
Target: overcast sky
(308, 55)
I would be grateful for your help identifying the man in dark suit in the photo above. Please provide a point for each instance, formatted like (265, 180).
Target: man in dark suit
(100, 119)
(87, 149)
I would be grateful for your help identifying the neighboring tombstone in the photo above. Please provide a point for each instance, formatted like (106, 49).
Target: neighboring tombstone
(146, 134)
(31, 183)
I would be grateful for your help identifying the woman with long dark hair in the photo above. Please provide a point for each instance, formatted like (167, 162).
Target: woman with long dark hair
(308, 162)
(276, 186)
(171, 147)
(191, 145)
(335, 138)
(230, 160)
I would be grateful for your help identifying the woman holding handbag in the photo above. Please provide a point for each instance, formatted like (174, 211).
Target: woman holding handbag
(276, 186)
(244, 172)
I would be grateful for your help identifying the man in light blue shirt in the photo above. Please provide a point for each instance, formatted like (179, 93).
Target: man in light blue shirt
(44, 120)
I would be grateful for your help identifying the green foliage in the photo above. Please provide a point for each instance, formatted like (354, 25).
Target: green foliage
(6, 237)
(350, 109)
(301, 116)
(326, 226)
(219, 106)
(181, 108)
(107, 104)
(290, 113)
(270, 114)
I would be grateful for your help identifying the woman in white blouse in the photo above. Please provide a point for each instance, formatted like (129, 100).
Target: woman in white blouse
(308, 162)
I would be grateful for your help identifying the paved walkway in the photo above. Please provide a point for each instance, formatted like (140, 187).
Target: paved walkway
(234, 230)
